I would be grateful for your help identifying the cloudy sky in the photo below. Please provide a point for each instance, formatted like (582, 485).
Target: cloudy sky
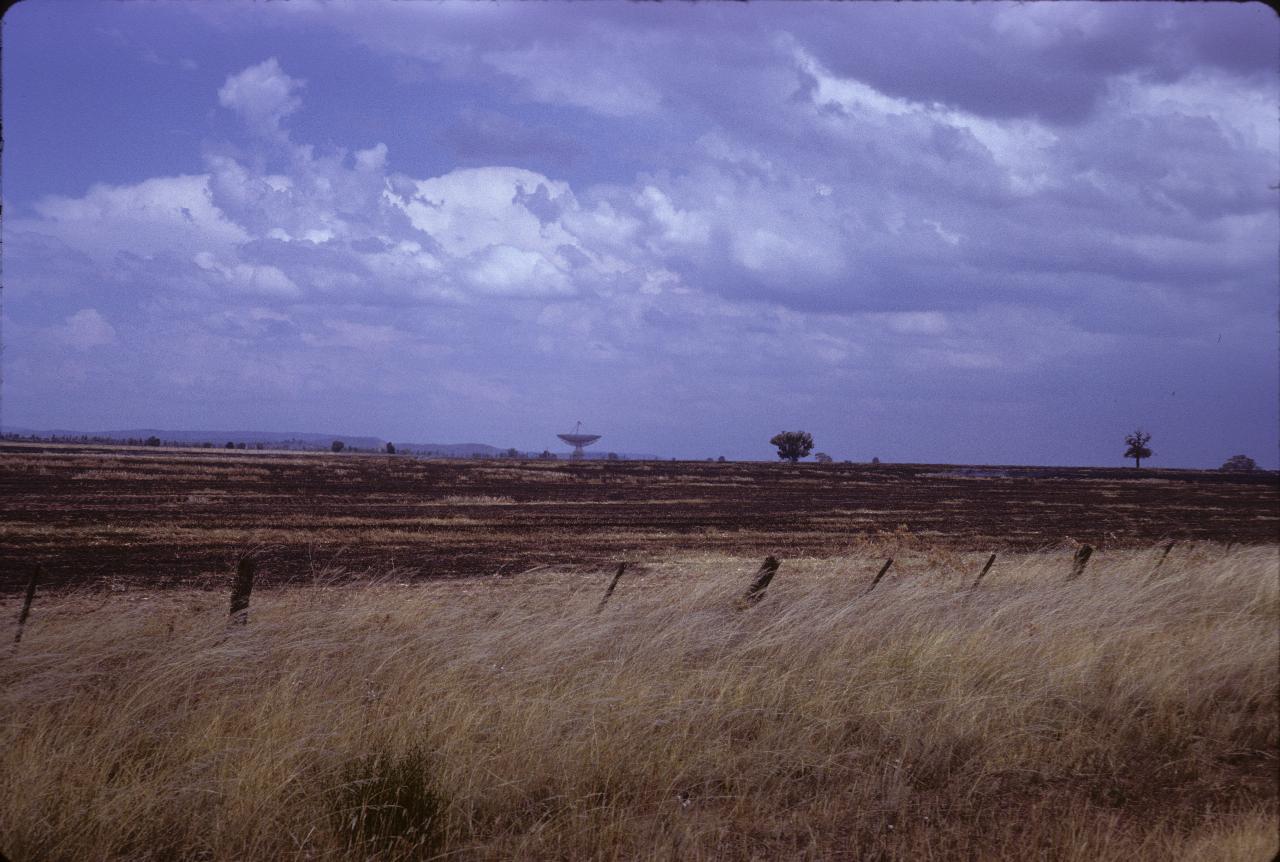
(982, 233)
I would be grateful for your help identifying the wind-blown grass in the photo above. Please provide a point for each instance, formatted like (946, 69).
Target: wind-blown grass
(1113, 717)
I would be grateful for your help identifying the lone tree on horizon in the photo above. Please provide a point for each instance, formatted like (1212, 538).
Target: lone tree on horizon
(1137, 450)
(792, 445)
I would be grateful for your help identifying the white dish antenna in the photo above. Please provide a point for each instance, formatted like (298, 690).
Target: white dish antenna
(577, 440)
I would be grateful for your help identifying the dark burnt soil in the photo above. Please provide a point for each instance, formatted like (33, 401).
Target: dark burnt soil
(117, 516)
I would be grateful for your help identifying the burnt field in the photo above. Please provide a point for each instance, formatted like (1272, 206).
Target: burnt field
(94, 515)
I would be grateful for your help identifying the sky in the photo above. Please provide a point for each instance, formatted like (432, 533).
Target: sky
(1002, 233)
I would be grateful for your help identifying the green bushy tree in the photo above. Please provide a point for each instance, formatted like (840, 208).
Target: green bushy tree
(792, 445)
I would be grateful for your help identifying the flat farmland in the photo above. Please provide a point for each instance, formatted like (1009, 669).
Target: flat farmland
(93, 515)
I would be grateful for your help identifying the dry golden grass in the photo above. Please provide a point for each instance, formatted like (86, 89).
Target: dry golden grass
(1116, 717)
(475, 500)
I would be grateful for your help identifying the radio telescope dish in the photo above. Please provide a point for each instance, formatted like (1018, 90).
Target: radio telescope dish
(578, 440)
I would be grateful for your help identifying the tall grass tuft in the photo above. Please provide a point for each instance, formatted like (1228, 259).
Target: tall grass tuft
(389, 804)
(1101, 719)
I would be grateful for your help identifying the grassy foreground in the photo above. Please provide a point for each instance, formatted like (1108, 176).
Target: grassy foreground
(1115, 717)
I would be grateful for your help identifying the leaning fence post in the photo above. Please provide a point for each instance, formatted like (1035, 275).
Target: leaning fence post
(880, 574)
(240, 591)
(622, 567)
(1079, 561)
(990, 562)
(768, 569)
(26, 603)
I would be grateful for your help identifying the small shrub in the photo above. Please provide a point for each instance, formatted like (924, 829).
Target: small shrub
(337, 446)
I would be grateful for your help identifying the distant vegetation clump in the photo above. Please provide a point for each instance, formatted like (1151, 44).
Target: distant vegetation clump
(822, 458)
(391, 448)
(792, 445)
(1239, 464)
(337, 446)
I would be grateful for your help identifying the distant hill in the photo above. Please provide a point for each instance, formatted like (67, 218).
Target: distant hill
(448, 450)
(277, 439)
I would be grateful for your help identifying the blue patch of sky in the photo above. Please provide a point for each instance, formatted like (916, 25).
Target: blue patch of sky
(112, 93)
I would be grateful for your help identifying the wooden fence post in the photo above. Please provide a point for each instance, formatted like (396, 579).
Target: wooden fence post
(240, 590)
(622, 567)
(1079, 561)
(768, 569)
(880, 574)
(990, 562)
(1160, 562)
(26, 603)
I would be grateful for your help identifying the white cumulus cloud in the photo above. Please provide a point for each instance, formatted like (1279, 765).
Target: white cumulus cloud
(84, 330)
(263, 94)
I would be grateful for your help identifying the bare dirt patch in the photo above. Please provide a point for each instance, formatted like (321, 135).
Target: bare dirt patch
(98, 515)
